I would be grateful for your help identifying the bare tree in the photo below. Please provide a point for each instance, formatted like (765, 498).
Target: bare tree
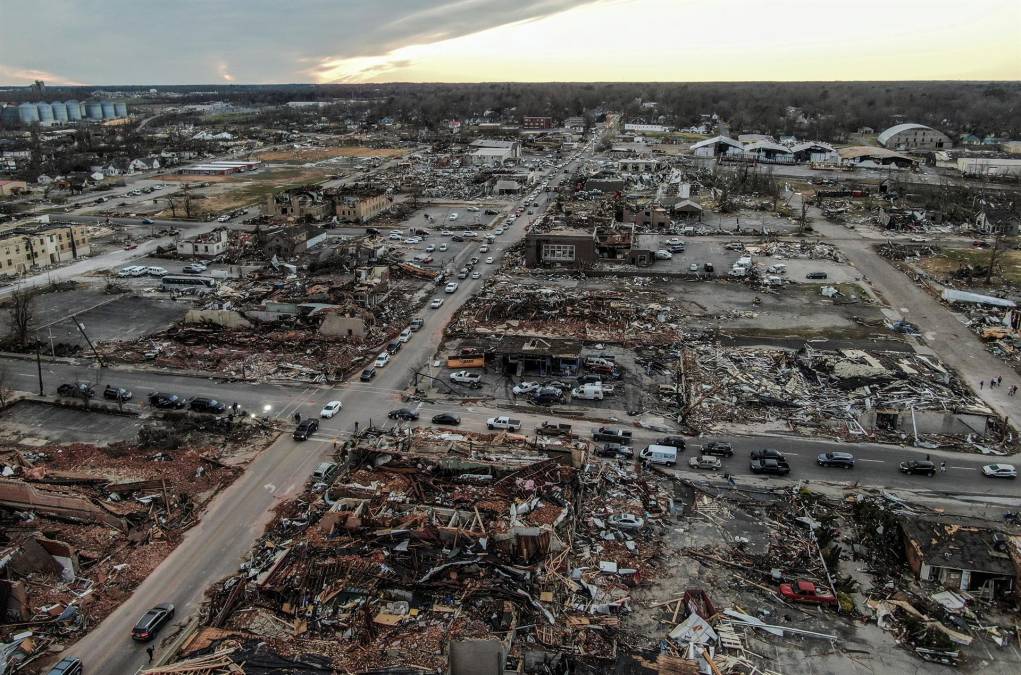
(5, 388)
(21, 314)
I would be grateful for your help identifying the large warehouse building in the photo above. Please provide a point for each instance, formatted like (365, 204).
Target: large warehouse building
(914, 137)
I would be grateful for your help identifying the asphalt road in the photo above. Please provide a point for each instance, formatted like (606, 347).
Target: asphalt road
(238, 515)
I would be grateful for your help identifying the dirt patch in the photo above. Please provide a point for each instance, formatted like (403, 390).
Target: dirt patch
(250, 188)
(319, 154)
(1008, 263)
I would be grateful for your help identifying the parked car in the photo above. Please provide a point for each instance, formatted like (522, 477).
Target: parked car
(194, 268)
(815, 275)
(430, 248)
(416, 324)
(708, 268)
(465, 377)
(693, 268)
(807, 592)
(156, 271)
(769, 453)
(918, 467)
(393, 346)
(152, 621)
(405, 335)
(69, 665)
(367, 374)
(331, 409)
(207, 405)
(476, 275)
(132, 271)
(590, 379)
(489, 260)
(81, 390)
(503, 422)
(405, 414)
(324, 472)
(615, 450)
(770, 466)
(717, 448)
(525, 388)
(672, 441)
(167, 401)
(625, 521)
(112, 393)
(612, 434)
(443, 247)
(707, 462)
(663, 254)
(844, 460)
(446, 418)
(999, 471)
(382, 360)
(305, 429)
(452, 286)
(436, 303)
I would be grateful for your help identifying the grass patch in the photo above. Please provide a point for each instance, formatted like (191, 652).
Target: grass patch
(1008, 263)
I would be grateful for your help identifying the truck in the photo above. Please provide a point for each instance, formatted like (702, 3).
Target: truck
(660, 454)
(503, 423)
(612, 435)
(464, 377)
(589, 392)
(554, 429)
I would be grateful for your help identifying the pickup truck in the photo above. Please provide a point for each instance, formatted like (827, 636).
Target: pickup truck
(554, 429)
(465, 377)
(503, 423)
(611, 435)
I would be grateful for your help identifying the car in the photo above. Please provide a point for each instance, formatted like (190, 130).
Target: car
(150, 623)
(436, 303)
(844, 460)
(474, 260)
(770, 466)
(305, 429)
(382, 360)
(166, 401)
(476, 275)
(672, 442)
(452, 216)
(156, 271)
(206, 405)
(457, 237)
(693, 268)
(663, 254)
(708, 268)
(498, 231)
(394, 346)
(769, 453)
(590, 379)
(430, 248)
(148, 221)
(132, 271)
(405, 334)
(69, 665)
(625, 521)
(446, 233)
(615, 450)
(491, 212)
(489, 260)
(917, 467)
(416, 324)
(815, 275)
(525, 388)
(331, 409)
(807, 592)
(443, 247)
(547, 396)
(367, 374)
(405, 414)
(999, 471)
(446, 418)
(674, 242)
(465, 377)
(194, 268)
(112, 393)
(718, 449)
(451, 287)
(707, 462)
(395, 237)
(82, 390)
(484, 249)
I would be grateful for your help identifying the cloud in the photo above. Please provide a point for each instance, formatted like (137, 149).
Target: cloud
(16, 75)
(225, 72)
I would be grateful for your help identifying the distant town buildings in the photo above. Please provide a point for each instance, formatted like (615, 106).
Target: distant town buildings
(537, 123)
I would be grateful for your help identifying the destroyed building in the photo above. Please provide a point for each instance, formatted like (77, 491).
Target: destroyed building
(299, 205)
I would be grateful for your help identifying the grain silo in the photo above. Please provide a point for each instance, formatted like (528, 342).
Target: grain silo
(94, 110)
(9, 114)
(120, 109)
(28, 113)
(74, 110)
(108, 110)
(45, 113)
(59, 111)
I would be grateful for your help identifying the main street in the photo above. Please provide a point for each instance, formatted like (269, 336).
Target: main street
(238, 515)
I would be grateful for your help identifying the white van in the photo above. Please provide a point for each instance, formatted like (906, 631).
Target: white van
(453, 216)
(660, 454)
(589, 392)
(738, 271)
(382, 360)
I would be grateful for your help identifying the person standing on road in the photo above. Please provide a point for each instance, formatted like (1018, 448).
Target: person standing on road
(942, 467)
(999, 380)
(981, 384)
(297, 418)
(150, 651)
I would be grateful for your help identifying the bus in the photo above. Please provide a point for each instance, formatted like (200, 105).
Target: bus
(183, 283)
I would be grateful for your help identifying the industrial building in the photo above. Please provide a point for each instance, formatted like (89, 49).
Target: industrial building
(35, 245)
(486, 152)
(62, 112)
(571, 247)
(224, 168)
(914, 137)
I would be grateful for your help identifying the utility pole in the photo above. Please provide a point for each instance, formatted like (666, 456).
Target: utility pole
(39, 367)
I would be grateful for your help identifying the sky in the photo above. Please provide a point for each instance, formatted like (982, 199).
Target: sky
(107, 42)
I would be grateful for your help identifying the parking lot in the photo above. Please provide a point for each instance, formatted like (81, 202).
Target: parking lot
(31, 423)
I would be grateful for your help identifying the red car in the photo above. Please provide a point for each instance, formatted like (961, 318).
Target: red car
(806, 591)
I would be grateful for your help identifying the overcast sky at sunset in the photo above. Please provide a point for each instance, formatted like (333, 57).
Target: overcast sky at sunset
(281, 41)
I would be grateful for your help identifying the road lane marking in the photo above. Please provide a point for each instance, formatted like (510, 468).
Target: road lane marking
(877, 461)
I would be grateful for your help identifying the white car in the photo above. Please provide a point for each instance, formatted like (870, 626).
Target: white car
(483, 249)
(405, 335)
(489, 260)
(525, 388)
(476, 275)
(382, 360)
(498, 231)
(331, 409)
(472, 209)
(443, 247)
(451, 287)
(999, 471)
(626, 521)
(452, 216)
(436, 303)
(133, 271)
(430, 248)
(446, 233)
(156, 271)
(469, 234)
(396, 237)
(663, 254)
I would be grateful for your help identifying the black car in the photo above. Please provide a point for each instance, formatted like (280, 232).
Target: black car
(589, 379)
(172, 401)
(457, 237)
(367, 374)
(769, 453)
(446, 418)
(770, 466)
(844, 460)
(708, 268)
(207, 405)
(917, 467)
(405, 414)
(718, 449)
(547, 396)
(69, 665)
(306, 428)
(116, 393)
(152, 621)
(815, 275)
(615, 450)
(491, 212)
(76, 390)
(394, 346)
(672, 442)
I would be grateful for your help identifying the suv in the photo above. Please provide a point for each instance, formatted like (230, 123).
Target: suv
(116, 393)
(673, 442)
(158, 400)
(77, 390)
(770, 466)
(844, 460)
(152, 621)
(769, 453)
(815, 275)
(718, 449)
(918, 467)
(615, 450)
(207, 405)
(305, 428)
(368, 374)
(69, 665)
(405, 414)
